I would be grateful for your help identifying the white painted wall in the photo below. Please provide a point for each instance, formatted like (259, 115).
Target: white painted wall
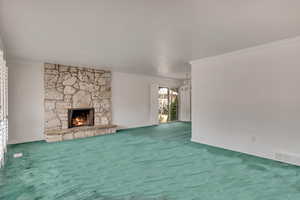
(130, 96)
(25, 102)
(249, 101)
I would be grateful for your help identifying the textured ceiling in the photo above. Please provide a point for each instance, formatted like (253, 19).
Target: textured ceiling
(156, 37)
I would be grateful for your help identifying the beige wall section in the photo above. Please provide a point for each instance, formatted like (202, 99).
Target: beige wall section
(25, 100)
(2, 47)
(130, 100)
(249, 101)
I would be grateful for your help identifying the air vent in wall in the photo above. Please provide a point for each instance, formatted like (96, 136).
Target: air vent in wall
(288, 157)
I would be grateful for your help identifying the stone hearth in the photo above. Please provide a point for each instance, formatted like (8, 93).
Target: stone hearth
(79, 132)
(68, 87)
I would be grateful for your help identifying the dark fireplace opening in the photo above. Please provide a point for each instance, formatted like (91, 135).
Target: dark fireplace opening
(81, 117)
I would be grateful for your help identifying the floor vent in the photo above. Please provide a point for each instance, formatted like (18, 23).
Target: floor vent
(288, 157)
(18, 155)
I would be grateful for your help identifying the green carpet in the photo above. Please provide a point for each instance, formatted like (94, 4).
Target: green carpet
(143, 164)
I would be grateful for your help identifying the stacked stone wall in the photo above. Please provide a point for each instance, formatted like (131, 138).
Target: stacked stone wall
(69, 87)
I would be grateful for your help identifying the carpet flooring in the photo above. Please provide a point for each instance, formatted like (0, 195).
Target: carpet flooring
(152, 163)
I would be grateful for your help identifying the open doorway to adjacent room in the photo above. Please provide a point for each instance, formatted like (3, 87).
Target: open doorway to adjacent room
(168, 104)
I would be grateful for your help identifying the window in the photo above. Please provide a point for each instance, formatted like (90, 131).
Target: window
(168, 104)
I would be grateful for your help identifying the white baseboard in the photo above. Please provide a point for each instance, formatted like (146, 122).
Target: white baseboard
(285, 157)
(135, 126)
(24, 141)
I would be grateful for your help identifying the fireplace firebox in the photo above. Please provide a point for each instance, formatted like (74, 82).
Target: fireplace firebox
(81, 117)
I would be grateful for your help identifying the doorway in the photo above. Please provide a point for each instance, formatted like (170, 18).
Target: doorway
(168, 104)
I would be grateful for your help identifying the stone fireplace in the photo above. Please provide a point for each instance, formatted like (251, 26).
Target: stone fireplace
(77, 102)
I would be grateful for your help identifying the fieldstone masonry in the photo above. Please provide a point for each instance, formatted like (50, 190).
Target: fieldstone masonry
(75, 87)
